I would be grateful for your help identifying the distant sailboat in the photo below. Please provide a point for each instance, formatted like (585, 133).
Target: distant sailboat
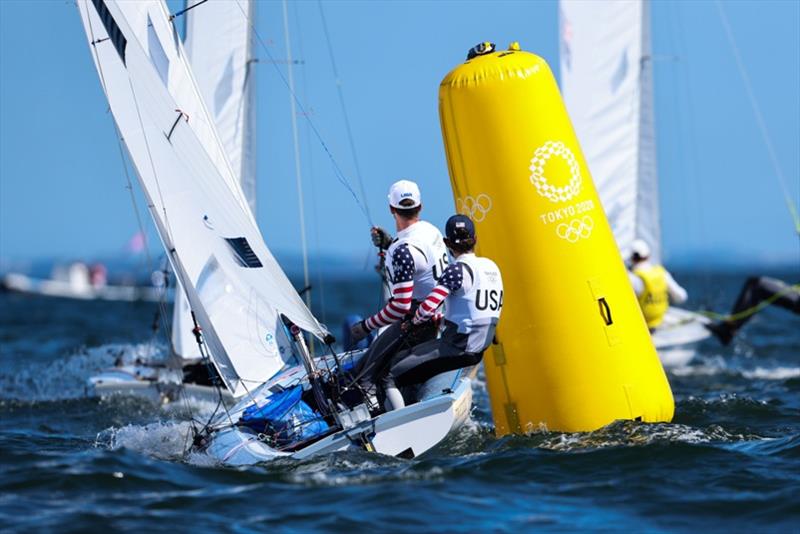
(607, 84)
(251, 317)
(78, 281)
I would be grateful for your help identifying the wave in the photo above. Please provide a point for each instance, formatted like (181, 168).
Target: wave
(65, 378)
(743, 367)
(776, 373)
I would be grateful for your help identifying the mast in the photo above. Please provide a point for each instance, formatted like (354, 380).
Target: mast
(297, 170)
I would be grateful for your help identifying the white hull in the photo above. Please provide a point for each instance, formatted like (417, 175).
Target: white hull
(157, 385)
(677, 337)
(64, 289)
(407, 433)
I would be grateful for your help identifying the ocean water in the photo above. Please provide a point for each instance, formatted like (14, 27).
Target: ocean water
(730, 461)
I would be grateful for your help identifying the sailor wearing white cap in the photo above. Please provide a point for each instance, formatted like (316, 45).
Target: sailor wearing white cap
(415, 260)
(471, 290)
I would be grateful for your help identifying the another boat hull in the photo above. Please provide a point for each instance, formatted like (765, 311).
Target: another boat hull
(144, 382)
(677, 337)
(63, 289)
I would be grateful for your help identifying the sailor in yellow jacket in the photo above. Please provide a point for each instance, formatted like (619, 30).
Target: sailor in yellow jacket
(654, 286)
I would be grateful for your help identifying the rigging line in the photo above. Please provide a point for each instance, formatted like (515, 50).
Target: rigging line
(182, 11)
(337, 170)
(685, 90)
(122, 153)
(206, 357)
(344, 110)
(314, 201)
(759, 117)
(296, 141)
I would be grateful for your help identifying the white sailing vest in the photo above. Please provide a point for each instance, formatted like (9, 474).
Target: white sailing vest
(475, 308)
(426, 244)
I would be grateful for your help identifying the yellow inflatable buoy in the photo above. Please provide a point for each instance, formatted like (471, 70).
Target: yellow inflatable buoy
(573, 352)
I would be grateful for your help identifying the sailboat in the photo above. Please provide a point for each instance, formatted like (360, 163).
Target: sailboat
(76, 281)
(252, 326)
(607, 85)
(218, 43)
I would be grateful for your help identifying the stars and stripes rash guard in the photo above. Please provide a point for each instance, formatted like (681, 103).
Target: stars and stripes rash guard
(417, 258)
(452, 280)
(402, 275)
(473, 299)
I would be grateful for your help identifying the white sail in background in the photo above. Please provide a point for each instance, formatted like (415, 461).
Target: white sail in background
(207, 229)
(607, 84)
(218, 43)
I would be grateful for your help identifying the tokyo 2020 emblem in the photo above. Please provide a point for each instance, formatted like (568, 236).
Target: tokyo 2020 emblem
(539, 175)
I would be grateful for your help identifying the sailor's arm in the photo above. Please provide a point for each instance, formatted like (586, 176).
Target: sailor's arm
(452, 279)
(636, 282)
(677, 295)
(403, 269)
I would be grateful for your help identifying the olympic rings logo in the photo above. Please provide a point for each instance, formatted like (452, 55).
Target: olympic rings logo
(538, 178)
(576, 229)
(475, 208)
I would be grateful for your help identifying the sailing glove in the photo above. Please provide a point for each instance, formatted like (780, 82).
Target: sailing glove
(380, 237)
(359, 331)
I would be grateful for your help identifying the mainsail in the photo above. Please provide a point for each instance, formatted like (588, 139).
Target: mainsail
(199, 209)
(607, 83)
(218, 43)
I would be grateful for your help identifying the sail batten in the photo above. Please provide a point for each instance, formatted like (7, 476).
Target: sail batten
(607, 83)
(193, 205)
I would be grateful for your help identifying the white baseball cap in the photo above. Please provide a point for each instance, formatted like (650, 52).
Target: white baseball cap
(404, 189)
(640, 248)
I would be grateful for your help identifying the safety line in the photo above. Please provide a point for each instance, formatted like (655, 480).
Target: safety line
(759, 117)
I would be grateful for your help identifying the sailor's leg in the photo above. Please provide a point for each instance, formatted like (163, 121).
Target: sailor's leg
(424, 362)
(388, 391)
(755, 291)
(425, 367)
(393, 399)
(379, 354)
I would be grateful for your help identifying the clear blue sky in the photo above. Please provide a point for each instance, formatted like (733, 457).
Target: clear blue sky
(62, 189)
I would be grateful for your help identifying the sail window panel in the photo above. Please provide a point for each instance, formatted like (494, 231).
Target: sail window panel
(157, 55)
(243, 252)
(112, 29)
